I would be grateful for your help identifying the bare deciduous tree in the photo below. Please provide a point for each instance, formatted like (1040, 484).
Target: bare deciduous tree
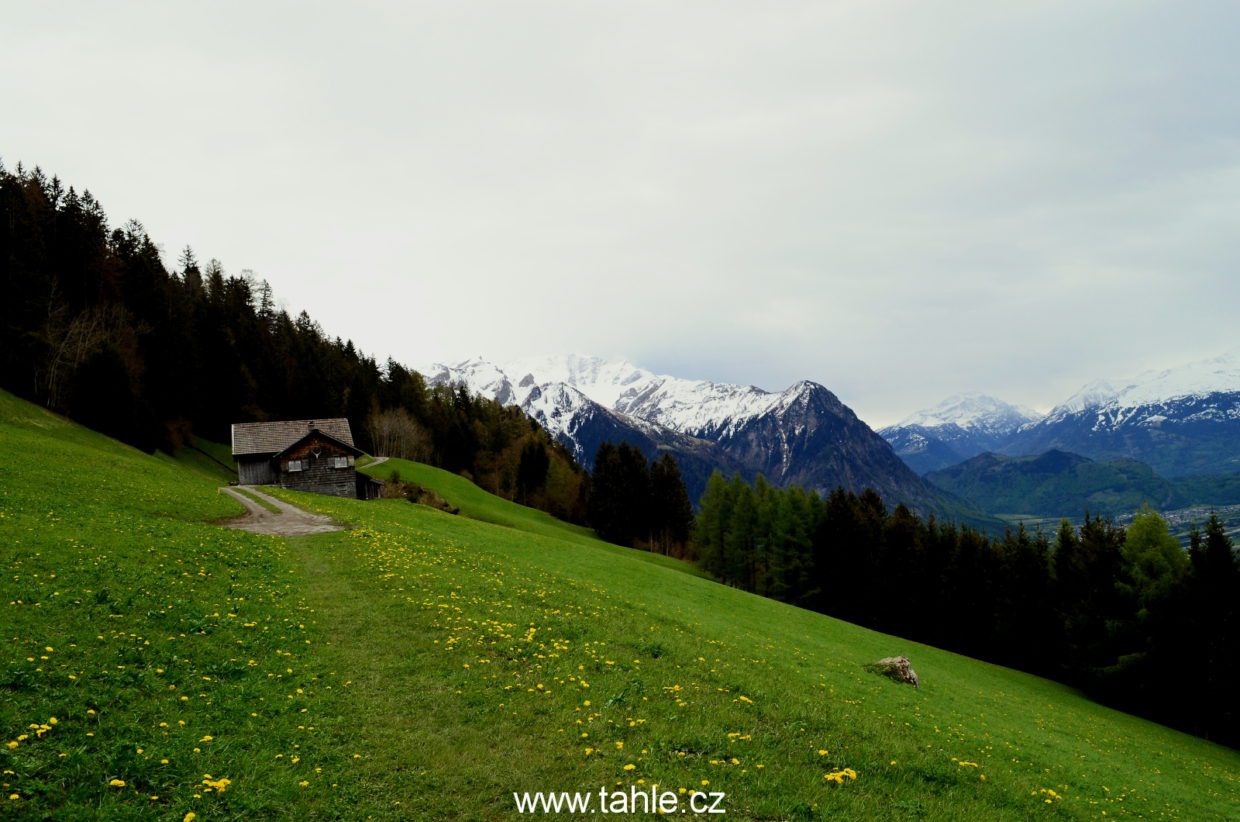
(396, 434)
(69, 344)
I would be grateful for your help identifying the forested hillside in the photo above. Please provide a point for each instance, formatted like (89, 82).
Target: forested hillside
(1057, 483)
(97, 326)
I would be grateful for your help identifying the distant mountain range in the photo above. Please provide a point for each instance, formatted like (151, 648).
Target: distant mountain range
(960, 427)
(803, 435)
(1057, 483)
(1109, 447)
(1182, 421)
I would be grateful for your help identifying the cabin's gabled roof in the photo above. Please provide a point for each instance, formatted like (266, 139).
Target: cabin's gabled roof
(255, 438)
(322, 437)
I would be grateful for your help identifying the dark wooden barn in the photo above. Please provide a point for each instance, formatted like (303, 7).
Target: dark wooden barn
(305, 455)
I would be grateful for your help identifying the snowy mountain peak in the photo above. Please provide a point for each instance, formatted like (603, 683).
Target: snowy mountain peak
(956, 429)
(695, 407)
(604, 381)
(1091, 395)
(1217, 375)
(1182, 421)
(972, 412)
(803, 434)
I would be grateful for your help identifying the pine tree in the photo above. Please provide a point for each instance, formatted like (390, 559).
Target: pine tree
(672, 513)
(532, 470)
(714, 512)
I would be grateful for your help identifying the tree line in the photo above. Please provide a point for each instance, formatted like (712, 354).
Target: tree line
(1124, 613)
(639, 503)
(97, 327)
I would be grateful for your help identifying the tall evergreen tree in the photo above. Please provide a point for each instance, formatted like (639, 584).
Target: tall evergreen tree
(671, 511)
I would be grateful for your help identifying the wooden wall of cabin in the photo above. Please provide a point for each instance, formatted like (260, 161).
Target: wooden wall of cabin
(318, 474)
(255, 471)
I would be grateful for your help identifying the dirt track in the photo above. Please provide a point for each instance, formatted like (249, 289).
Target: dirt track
(291, 521)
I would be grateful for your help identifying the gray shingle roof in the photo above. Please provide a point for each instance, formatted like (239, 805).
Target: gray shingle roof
(273, 437)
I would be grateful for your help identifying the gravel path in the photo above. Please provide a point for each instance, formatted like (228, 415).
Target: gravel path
(291, 521)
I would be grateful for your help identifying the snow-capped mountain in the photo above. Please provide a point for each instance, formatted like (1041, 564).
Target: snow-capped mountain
(956, 429)
(578, 420)
(696, 407)
(1180, 421)
(979, 413)
(802, 435)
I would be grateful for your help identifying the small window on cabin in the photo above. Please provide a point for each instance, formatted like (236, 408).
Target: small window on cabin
(294, 465)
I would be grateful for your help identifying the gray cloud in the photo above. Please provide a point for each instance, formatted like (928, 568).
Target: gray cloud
(899, 200)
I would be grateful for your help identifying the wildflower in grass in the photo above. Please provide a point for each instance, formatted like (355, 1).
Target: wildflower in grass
(838, 777)
(630, 767)
(218, 785)
(117, 783)
(189, 817)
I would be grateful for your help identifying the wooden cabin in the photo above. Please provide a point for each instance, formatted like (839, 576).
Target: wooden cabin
(304, 455)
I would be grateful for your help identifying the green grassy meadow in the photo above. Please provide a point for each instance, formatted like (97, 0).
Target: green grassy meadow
(425, 666)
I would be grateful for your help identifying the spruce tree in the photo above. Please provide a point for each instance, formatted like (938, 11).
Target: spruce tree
(671, 511)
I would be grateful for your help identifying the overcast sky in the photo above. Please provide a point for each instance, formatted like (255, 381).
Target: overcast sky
(900, 200)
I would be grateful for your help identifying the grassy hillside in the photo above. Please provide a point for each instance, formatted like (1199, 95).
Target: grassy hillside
(145, 648)
(475, 503)
(210, 459)
(425, 666)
